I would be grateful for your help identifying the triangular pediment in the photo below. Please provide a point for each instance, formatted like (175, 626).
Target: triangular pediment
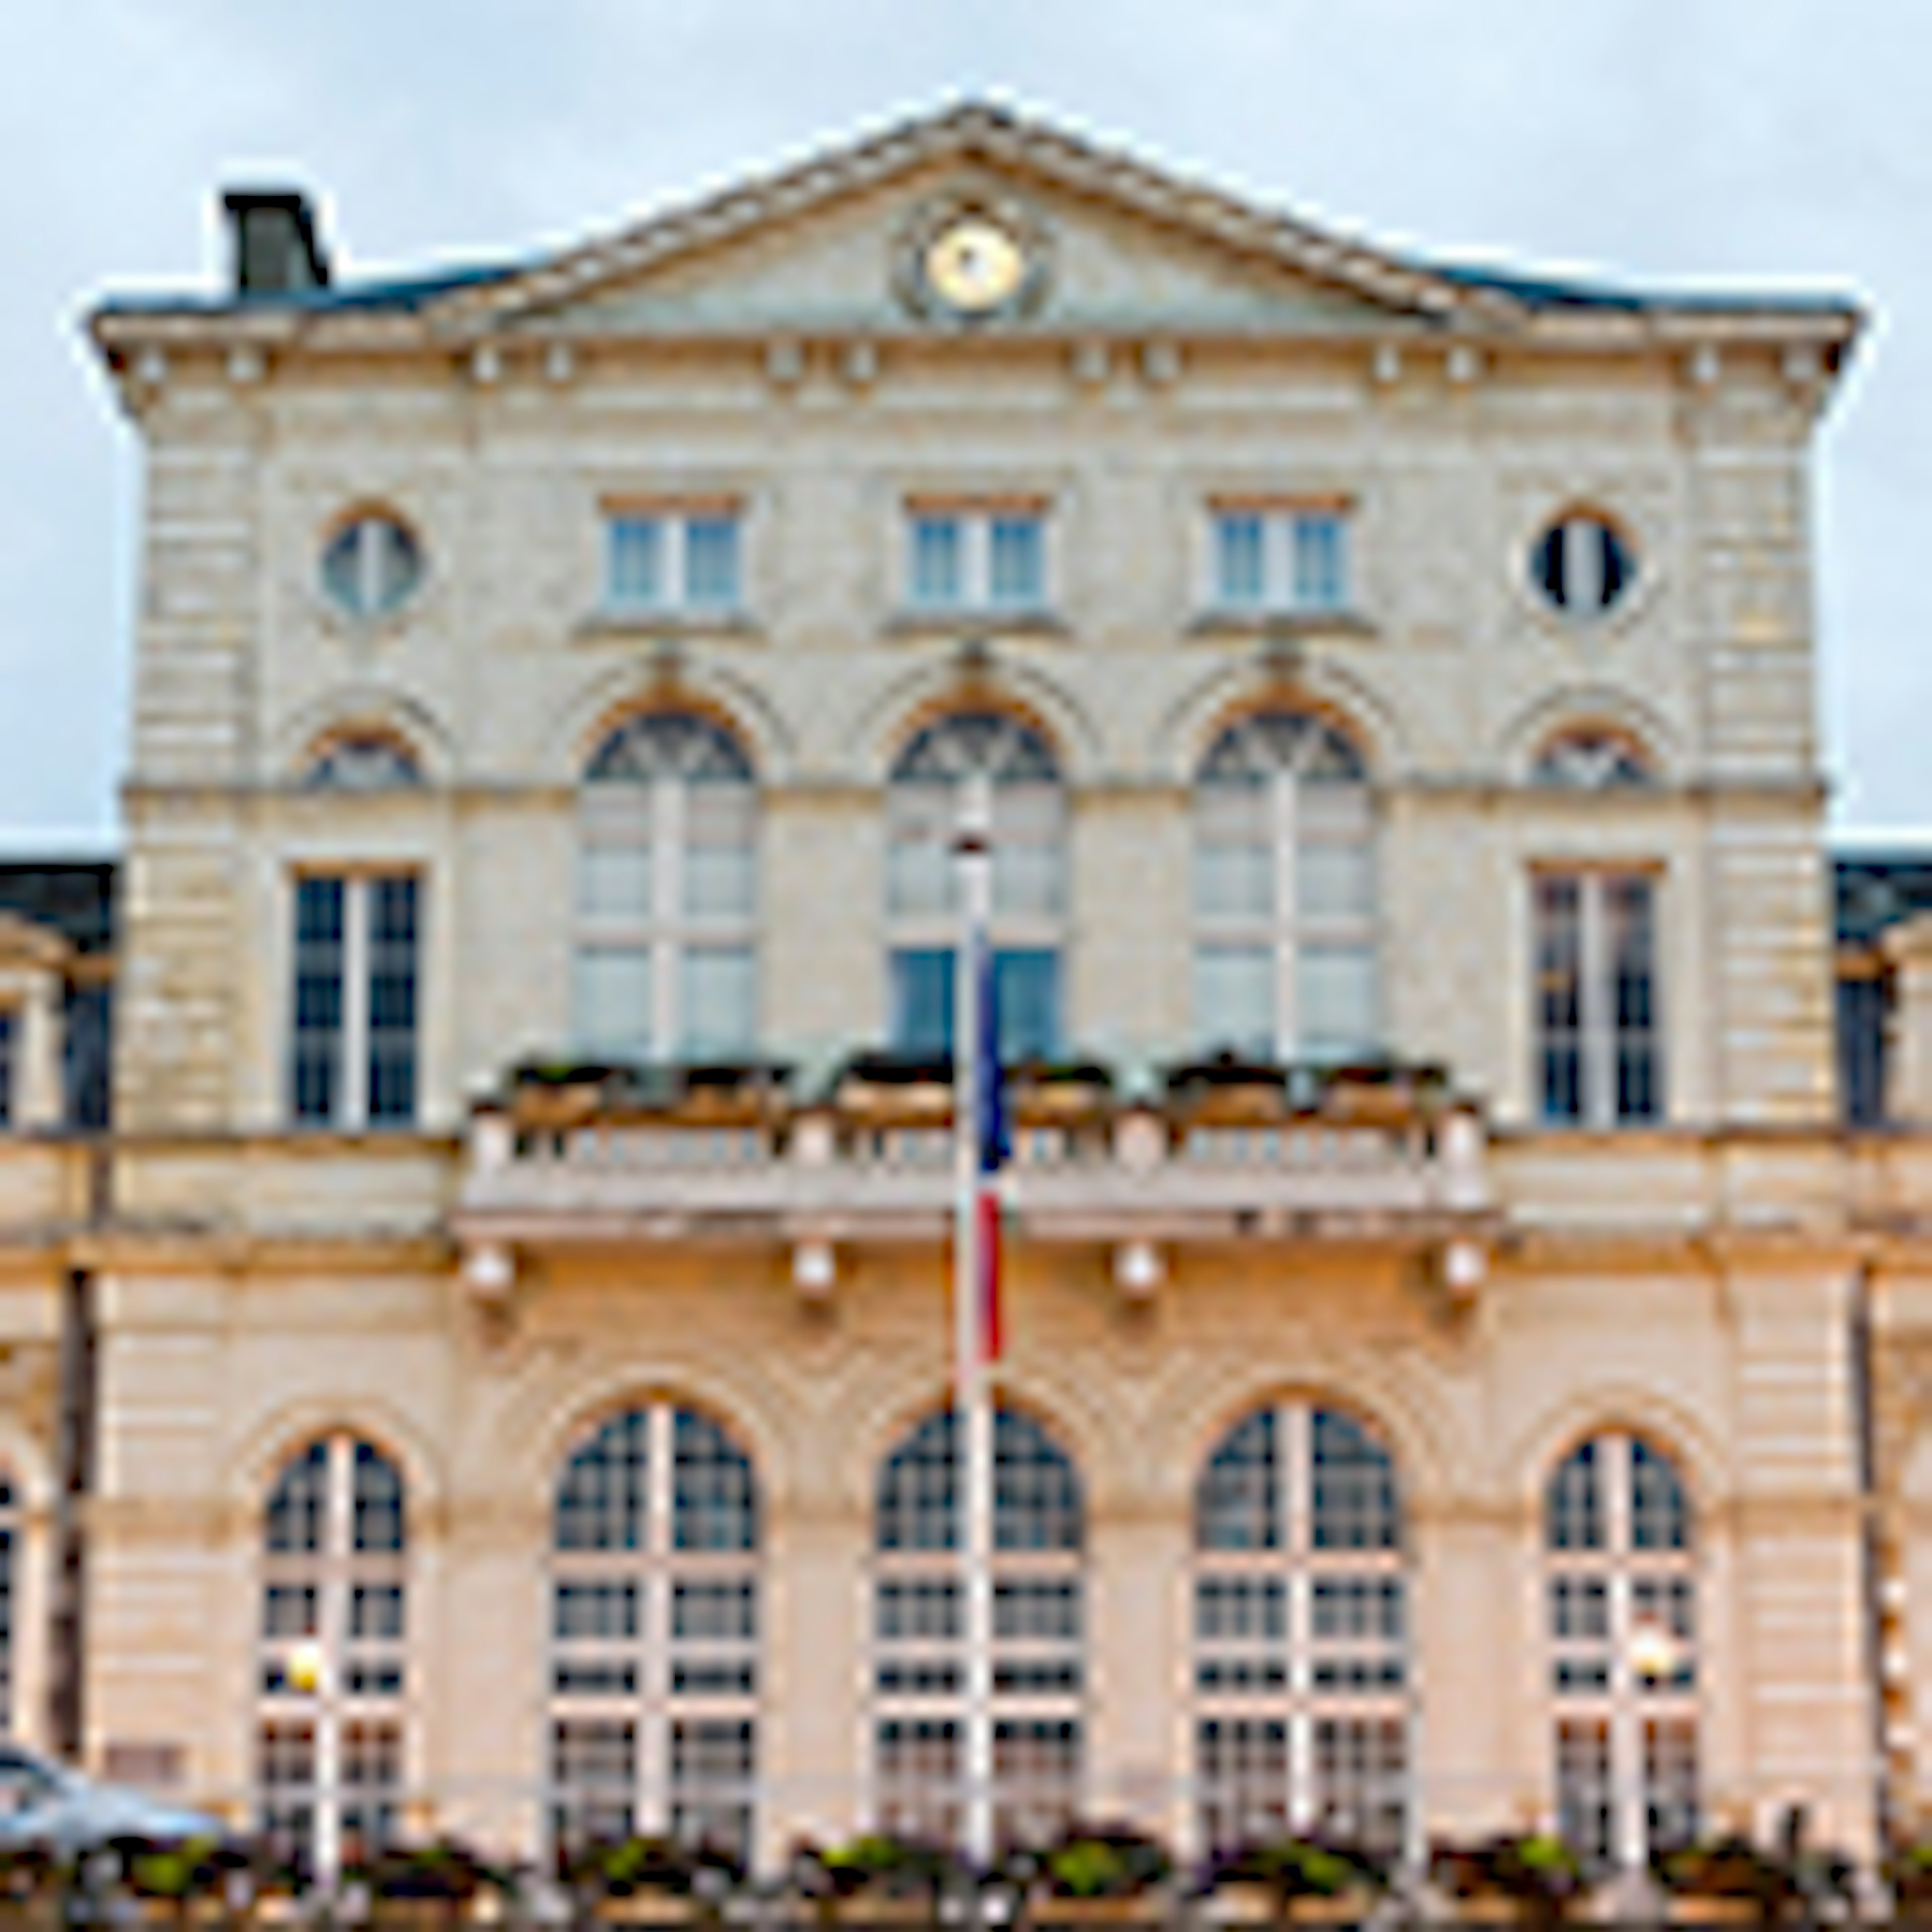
(836, 244)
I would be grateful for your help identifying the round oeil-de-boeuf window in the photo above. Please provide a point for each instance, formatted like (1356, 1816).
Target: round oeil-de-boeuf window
(1583, 565)
(372, 566)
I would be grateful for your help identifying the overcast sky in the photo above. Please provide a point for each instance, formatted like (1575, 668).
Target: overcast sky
(1783, 142)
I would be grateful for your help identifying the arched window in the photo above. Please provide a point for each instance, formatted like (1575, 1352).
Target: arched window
(654, 1634)
(921, 1751)
(1285, 893)
(1591, 758)
(1300, 1685)
(667, 893)
(334, 1663)
(1029, 881)
(363, 761)
(1623, 1659)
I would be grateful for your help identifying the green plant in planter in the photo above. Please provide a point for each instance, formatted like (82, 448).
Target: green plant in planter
(1299, 1868)
(619, 1867)
(1536, 1867)
(1731, 1867)
(445, 1869)
(1104, 1862)
(1908, 1870)
(906, 1867)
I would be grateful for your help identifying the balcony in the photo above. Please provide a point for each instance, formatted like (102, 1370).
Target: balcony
(1213, 1159)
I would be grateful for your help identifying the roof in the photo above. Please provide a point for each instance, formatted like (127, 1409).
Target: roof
(75, 897)
(476, 296)
(1874, 891)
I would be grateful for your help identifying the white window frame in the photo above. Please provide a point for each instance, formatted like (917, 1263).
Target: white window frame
(1036, 1787)
(1283, 931)
(673, 522)
(1286, 590)
(657, 1708)
(974, 521)
(1029, 856)
(353, 1040)
(1641, 1731)
(1598, 1039)
(1271, 1678)
(668, 934)
(333, 1707)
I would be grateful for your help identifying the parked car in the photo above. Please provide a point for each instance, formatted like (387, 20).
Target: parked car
(46, 1804)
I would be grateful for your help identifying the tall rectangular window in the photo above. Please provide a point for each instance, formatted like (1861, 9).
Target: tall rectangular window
(355, 1008)
(1026, 992)
(1598, 1039)
(972, 558)
(1278, 558)
(10, 1047)
(673, 559)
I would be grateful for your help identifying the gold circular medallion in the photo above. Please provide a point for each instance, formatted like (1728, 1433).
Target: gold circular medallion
(974, 265)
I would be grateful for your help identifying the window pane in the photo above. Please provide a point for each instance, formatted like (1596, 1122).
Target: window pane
(1335, 994)
(1321, 561)
(936, 561)
(718, 881)
(1333, 881)
(613, 881)
(717, 996)
(636, 560)
(922, 991)
(1026, 994)
(1559, 980)
(393, 948)
(614, 999)
(316, 1049)
(1239, 579)
(1235, 881)
(711, 562)
(1233, 997)
(1016, 562)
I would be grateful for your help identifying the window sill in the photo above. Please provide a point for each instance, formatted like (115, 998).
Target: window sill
(666, 623)
(975, 622)
(1339, 623)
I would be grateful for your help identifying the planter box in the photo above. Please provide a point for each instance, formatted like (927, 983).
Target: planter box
(1693, 1908)
(645, 1907)
(1142, 1909)
(1340, 1908)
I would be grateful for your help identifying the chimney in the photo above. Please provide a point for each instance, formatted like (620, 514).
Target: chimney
(277, 252)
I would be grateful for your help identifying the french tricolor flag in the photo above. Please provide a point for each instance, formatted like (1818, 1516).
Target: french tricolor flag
(991, 1147)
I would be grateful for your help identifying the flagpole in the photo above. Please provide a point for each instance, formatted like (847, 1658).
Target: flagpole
(972, 1397)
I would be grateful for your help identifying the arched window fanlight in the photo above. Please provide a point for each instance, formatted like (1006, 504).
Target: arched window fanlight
(1593, 758)
(363, 761)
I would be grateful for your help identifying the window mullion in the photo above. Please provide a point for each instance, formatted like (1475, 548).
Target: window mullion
(1594, 1014)
(668, 859)
(354, 1044)
(1294, 1476)
(1285, 936)
(655, 1562)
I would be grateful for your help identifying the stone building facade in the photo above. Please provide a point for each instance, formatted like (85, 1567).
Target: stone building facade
(1442, 1387)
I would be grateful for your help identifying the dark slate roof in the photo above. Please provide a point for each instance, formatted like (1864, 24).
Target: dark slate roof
(1877, 890)
(75, 897)
(398, 293)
